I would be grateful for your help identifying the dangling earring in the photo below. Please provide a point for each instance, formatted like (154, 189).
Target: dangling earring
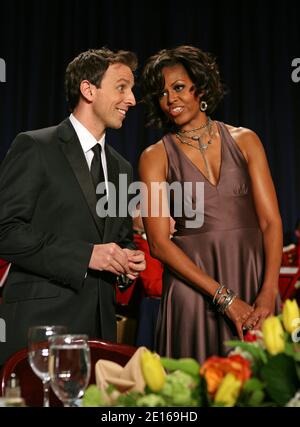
(203, 105)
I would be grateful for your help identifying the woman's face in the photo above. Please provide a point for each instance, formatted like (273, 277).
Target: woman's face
(178, 100)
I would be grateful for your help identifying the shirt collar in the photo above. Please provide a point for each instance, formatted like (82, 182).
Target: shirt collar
(87, 140)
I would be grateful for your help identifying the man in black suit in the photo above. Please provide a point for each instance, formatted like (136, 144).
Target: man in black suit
(65, 254)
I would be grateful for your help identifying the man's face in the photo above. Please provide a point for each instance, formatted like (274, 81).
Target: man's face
(114, 97)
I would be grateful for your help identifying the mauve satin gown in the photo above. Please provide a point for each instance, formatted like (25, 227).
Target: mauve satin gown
(228, 247)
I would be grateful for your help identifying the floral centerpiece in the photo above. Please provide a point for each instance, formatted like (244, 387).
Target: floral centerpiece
(262, 370)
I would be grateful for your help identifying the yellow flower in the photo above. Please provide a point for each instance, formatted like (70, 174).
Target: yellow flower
(273, 335)
(153, 372)
(290, 312)
(228, 390)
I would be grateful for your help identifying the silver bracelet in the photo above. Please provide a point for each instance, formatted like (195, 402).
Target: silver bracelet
(218, 292)
(230, 302)
(220, 301)
(227, 301)
(223, 300)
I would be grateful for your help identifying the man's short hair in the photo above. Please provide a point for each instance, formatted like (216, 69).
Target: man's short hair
(92, 65)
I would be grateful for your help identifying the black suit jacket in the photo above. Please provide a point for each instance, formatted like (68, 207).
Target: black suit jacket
(48, 225)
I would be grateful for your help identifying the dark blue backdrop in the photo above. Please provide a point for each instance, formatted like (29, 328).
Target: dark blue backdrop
(254, 41)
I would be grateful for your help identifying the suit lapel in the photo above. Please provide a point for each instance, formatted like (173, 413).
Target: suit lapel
(72, 149)
(113, 177)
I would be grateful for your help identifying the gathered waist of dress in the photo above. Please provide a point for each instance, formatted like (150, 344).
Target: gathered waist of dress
(205, 230)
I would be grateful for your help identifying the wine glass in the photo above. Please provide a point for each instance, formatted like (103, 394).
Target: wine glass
(69, 366)
(38, 351)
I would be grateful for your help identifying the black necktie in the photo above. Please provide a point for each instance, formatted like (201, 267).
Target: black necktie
(96, 167)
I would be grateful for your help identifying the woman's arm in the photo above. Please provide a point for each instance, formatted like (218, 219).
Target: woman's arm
(153, 169)
(267, 210)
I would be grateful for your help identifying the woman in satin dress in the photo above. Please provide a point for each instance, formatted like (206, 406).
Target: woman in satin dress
(221, 273)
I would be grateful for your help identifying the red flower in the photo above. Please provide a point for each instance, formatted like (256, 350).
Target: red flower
(250, 337)
(215, 368)
(239, 367)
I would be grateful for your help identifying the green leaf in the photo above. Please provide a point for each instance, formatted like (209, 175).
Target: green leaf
(233, 343)
(170, 364)
(204, 398)
(93, 397)
(292, 349)
(298, 370)
(252, 393)
(257, 352)
(253, 384)
(256, 398)
(128, 399)
(188, 365)
(281, 380)
(110, 389)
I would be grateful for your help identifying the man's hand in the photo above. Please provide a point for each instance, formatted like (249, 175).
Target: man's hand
(110, 257)
(136, 262)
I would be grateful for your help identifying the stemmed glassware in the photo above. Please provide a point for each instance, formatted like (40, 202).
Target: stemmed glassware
(69, 366)
(38, 352)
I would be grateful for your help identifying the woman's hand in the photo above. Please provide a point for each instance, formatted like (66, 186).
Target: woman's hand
(264, 307)
(239, 312)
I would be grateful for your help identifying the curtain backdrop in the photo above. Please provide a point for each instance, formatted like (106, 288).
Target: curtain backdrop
(254, 42)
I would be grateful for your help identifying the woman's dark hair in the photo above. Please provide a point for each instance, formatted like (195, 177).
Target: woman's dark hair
(202, 70)
(92, 65)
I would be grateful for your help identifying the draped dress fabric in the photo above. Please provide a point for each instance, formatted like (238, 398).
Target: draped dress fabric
(228, 247)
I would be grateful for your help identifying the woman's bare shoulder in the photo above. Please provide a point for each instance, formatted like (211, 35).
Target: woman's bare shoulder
(153, 161)
(154, 152)
(242, 133)
(247, 139)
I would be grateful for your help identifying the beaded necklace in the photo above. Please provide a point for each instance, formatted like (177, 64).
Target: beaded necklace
(202, 146)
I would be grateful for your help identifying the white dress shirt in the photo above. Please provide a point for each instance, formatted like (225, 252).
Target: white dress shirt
(87, 141)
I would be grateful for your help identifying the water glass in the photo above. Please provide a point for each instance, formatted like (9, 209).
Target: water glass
(38, 351)
(69, 366)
